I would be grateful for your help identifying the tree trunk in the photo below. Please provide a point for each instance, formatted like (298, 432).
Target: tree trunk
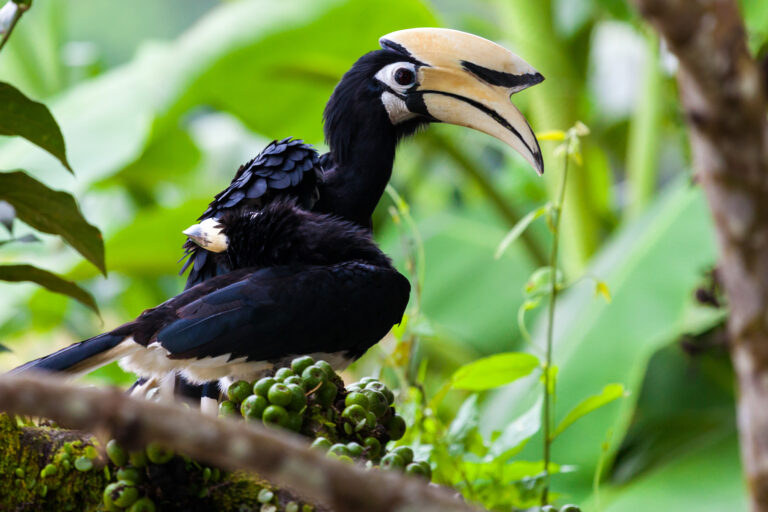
(725, 103)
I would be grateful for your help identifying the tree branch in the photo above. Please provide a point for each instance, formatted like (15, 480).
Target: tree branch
(13, 10)
(278, 457)
(725, 104)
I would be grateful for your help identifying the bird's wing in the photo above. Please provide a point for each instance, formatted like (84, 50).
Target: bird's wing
(288, 167)
(281, 311)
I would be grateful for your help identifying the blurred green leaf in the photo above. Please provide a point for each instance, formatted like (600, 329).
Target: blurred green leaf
(463, 436)
(549, 377)
(512, 439)
(685, 402)
(48, 280)
(518, 229)
(540, 282)
(610, 393)
(511, 472)
(458, 245)
(465, 420)
(602, 289)
(112, 375)
(26, 118)
(494, 371)
(706, 480)
(756, 19)
(53, 212)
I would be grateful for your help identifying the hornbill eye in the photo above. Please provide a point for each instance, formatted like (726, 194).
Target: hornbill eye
(404, 76)
(398, 76)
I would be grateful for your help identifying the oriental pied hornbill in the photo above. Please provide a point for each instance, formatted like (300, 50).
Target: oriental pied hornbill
(419, 76)
(306, 283)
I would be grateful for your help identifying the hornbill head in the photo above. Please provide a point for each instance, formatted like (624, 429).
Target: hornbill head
(425, 75)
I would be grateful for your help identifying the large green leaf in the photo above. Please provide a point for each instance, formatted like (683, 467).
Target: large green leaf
(707, 480)
(48, 280)
(53, 212)
(26, 118)
(651, 268)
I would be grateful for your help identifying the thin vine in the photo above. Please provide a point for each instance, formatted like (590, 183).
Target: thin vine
(570, 149)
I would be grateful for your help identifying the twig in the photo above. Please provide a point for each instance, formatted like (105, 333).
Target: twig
(19, 9)
(279, 457)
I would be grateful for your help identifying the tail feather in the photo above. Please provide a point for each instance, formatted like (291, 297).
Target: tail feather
(82, 357)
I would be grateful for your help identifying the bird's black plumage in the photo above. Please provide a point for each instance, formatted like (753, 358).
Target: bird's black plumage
(285, 168)
(308, 283)
(348, 181)
(362, 140)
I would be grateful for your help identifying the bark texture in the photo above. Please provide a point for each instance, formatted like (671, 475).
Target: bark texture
(723, 94)
(277, 456)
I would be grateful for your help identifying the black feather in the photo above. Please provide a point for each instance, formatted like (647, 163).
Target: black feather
(73, 356)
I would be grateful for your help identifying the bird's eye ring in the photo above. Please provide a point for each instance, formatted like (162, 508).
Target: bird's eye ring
(404, 76)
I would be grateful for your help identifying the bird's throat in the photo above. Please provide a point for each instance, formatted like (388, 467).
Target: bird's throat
(353, 186)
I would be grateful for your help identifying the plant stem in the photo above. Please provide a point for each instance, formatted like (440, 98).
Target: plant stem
(471, 169)
(413, 249)
(548, 406)
(21, 8)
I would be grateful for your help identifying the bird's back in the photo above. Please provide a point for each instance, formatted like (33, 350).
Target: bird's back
(288, 168)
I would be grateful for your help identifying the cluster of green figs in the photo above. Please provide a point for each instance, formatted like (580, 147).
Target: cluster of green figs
(143, 480)
(124, 492)
(352, 423)
(309, 397)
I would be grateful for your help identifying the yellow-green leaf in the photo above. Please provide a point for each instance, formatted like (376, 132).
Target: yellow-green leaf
(552, 373)
(399, 330)
(518, 229)
(602, 289)
(551, 135)
(494, 371)
(610, 393)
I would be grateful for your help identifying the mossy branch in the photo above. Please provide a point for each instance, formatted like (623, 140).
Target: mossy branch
(279, 457)
(43, 467)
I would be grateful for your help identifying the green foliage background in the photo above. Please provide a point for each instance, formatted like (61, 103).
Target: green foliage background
(159, 102)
